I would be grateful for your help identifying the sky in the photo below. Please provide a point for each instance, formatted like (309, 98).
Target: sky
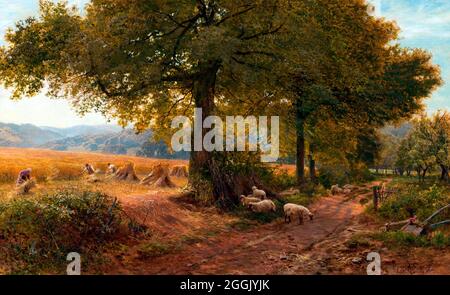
(424, 24)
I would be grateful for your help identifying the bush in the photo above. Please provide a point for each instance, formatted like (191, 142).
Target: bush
(333, 174)
(402, 239)
(342, 174)
(422, 202)
(40, 232)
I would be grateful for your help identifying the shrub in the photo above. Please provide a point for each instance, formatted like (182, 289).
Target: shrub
(39, 232)
(333, 174)
(402, 239)
(422, 202)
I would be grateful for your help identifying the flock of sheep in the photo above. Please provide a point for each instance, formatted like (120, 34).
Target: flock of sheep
(258, 202)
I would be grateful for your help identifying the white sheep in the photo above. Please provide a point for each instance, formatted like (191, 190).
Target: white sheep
(257, 193)
(346, 191)
(262, 206)
(299, 210)
(245, 201)
(336, 190)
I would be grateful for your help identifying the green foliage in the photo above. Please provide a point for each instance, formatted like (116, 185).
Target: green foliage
(145, 62)
(423, 202)
(40, 232)
(304, 199)
(331, 175)
(427, 146)
(280, 181)
(402, 239)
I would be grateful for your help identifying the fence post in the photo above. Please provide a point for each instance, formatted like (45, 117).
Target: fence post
(376, 197)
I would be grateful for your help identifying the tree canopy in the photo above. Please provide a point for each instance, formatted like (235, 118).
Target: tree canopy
(316, 63)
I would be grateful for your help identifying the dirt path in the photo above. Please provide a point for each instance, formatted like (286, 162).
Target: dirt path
(267, 249)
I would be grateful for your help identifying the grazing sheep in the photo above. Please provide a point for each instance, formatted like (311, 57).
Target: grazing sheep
(257, 193)
(336, 190)
(245, 201)
(265, 206)
(299, 210)
(347, 191)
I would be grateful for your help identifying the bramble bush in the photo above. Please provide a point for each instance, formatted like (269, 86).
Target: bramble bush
(37, 233)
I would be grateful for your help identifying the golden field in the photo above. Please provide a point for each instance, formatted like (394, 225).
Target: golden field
(54, 170)
(67, 165)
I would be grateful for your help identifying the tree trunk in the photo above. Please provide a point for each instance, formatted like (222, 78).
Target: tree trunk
(203, 94)
(312, 164)
(408, 172)
(424, 173)
(444, 173)
(300, 154)
(202, 165)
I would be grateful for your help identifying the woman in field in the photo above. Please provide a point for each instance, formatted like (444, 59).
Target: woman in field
(24, 176)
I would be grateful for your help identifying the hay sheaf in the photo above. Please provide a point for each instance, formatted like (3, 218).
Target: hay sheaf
(179, 171)
(126, 173)
(159, 177)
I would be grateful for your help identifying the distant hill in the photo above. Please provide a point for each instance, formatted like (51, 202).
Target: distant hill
(84, 130)
(102, 139)
(125, 142)
(122, 142)
(26, 135)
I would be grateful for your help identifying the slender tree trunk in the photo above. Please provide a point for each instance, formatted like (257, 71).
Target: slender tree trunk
(419, 173)
(300, 154)
(424, 173)
(312, 164)
(444, 173)
(408, 172)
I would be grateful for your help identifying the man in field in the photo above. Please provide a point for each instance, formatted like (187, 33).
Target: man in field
(24, 176)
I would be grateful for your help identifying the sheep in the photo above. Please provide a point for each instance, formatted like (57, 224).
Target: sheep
(336, 190)
(265, 206)
(257, 193)
(346, 191)
(294, 209)
(245, 201)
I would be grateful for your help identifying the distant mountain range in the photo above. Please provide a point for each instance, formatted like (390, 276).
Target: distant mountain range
(102, 138)
(26, 135)
(84, 130)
